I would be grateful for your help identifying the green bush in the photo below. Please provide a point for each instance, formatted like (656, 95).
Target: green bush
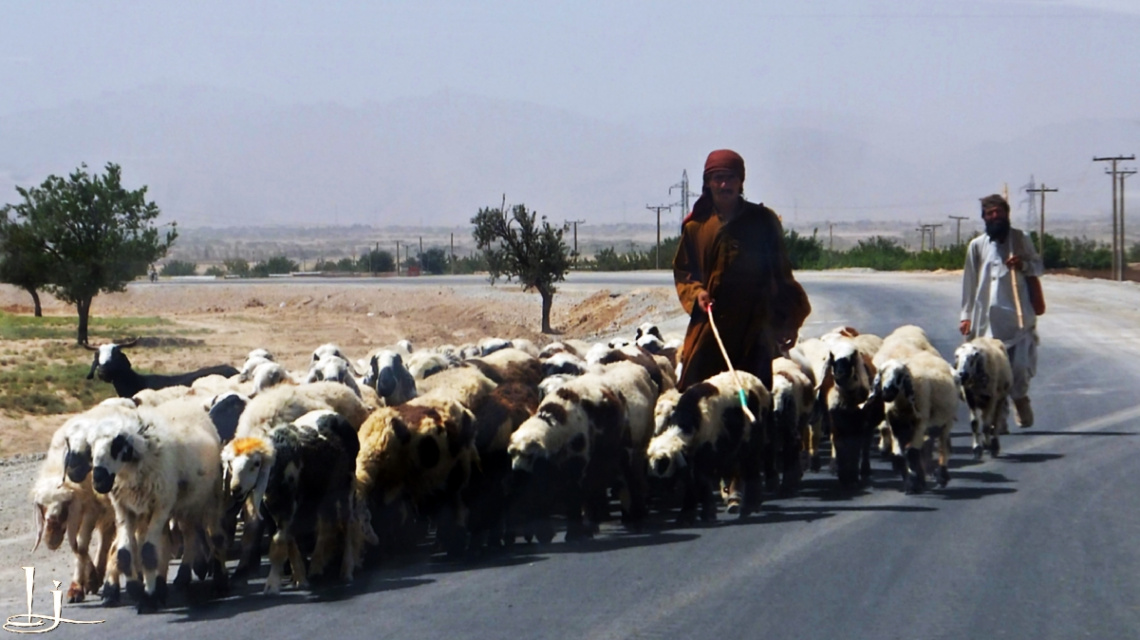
(179, 268)
(274, 265)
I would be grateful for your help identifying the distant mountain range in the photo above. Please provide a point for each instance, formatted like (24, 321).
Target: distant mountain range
(221, 158)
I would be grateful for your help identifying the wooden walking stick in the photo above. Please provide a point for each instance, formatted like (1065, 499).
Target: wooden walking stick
(1016, 295)
(724, 352)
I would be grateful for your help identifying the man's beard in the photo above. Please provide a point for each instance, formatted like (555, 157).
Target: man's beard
(998, 229)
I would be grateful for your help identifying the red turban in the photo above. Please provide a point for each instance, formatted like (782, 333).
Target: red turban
(725, 160)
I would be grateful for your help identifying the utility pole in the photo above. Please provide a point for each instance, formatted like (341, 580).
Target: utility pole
(922, 241)
(1041, 234)
(933, 227)
(1117, 271)
(959, 219)
(830, 236)
(658, 208)
(1122, 174)
(683, 185)
(397, 257)
(575, 223)
(451, 255)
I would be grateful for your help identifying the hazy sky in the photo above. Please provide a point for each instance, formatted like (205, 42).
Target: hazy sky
(995, 63)
(927, 73)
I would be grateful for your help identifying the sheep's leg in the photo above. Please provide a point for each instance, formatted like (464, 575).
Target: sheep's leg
(106, 539)
(252, 527)
(297, 565)
(942, 474)
(278, 553)
(80, 541)
(154, 554)
(326, 543)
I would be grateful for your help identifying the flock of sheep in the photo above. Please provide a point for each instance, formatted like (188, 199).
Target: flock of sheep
(480, 445)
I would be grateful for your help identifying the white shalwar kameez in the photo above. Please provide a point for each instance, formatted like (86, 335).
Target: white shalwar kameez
(987, 301)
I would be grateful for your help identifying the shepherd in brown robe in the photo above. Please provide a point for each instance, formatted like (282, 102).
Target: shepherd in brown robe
(732, 256)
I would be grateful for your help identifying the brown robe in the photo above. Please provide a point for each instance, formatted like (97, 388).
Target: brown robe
(744, 266)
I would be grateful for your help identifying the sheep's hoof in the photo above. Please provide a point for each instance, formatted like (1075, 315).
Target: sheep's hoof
(135, 590)
(543, 532)
(111, 595)
(74, 593)
(147, 604)
(687, 518)
(995, 447)
(182, 578)
(915, 484)
(942, 476)
(577, 534)
(221, 578)
(201, 569)
(978, 450)
(816, 464)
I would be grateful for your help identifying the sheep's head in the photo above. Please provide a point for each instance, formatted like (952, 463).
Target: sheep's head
(252, 363)
(563, 363)
(970, 366)
(848, 369)
(894, 379)
(527, 444)
(390, 378)
(491, 345)
(119, 446)
(246, 463)
(329, 369)
(109, 362)
(666, 454)
(51, 521)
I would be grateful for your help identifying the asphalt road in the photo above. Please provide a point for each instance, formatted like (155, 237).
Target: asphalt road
(1034, 544)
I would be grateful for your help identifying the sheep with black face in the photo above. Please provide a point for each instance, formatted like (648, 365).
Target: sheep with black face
(983, 373)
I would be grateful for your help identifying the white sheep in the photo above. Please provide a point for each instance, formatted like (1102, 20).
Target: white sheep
(160, 465)
(982, 369)
(333, 368)
(793, 400)
(920, 400)
(899, 344)
(73, 510)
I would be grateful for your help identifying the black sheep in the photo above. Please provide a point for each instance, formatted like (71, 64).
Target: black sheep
(112, 365)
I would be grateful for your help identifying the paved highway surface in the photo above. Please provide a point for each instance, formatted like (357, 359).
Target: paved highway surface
(1035, 544)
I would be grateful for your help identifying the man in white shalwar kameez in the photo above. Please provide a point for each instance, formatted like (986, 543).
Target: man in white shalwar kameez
(988, 304)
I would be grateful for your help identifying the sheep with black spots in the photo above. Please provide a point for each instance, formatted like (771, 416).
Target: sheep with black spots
(160, 465)
(284, 405)
(920, 400)
(707, 438)
(303, 474)
(984, 376)
(72, 510)
(569, 453)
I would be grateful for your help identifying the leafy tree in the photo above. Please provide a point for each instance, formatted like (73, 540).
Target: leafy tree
(519, 246)
(95, 236)
(434, 261)
(237, 267)
(274, 265)
(376, 261)
(345, 265)
(216, 271)
(179, 268)
(22, 263)
(804, 252)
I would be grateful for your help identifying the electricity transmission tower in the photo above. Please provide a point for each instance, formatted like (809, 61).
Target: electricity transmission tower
(683, 185)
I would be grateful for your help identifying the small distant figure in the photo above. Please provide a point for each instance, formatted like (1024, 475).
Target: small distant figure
(153, 274)
(989, 305)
